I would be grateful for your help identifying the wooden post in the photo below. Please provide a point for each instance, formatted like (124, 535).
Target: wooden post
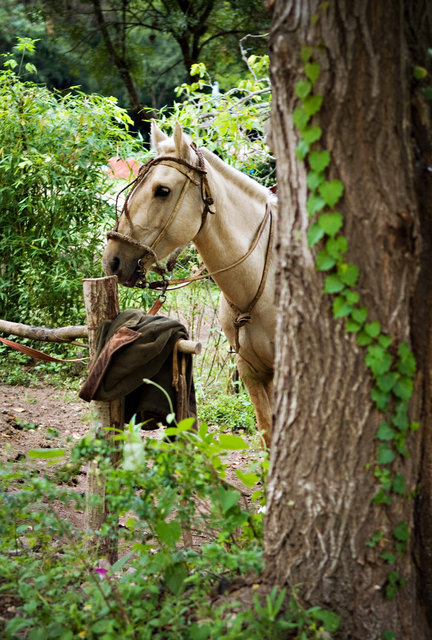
(101, 303)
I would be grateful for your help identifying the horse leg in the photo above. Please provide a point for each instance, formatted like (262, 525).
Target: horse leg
(260, 392)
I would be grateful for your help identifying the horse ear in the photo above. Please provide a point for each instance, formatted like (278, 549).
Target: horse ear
(181, 142)
(157, 136)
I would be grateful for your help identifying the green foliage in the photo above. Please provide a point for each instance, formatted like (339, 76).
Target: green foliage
(231, 122)
(53, 194)
(159, 588)
(234, 411)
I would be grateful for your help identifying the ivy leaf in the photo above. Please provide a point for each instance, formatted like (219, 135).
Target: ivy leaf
(380, 398)
(363, 339)
(351, 326)
(384, 341)
(303, 89)
(351, 296)
(403, 388)
(337, 246)
(386, 455)
(331, 191)
(385, 432)
(399, 484)
(312, 104)
(373, 329)
(360, 314)
(388, 557)
(314, 180)
(306, 53)
(406, 363)
(401, 532)
(341, 307)
(387, 381)
(378, 360)
(314, 204)
(312, 134)
(381, 498)
(324, 261)
(314, 234)
(348, 273)
(312, 70)
(330, 222)
(302, 149)
(300, 118)
(318, 160)
(400, 418)
(333, 284)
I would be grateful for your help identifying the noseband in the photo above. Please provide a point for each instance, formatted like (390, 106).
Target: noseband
(190, 172)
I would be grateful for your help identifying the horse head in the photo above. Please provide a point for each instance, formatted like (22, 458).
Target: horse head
(164, 210)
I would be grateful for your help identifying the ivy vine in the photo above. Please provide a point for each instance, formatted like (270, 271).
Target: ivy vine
(392, 367)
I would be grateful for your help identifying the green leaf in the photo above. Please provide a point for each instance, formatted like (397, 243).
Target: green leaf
(312, 70)
(175, 576)
(360, 314)
(331, 191)
(312, 134)
(314, 180)
(302, 149)
(333, 284)
(232, 442)
(300, 118)
(168, 532)
(314, 234)
(406, 363)
(303, 89)
(248, 479)
(387, 381)
(380, 398)
(330, 222)
(312, 104)
(46, 453)
(388, 557)
(363, 339)
(337, 246)
(386, 455)
(319, 160)
(378, 360)
(340, 307)
(228, 498)
(385, 432)
(420, 73)
(351, 296)
(351, 326)
(306, 53)
(324, 262)
(373, 329)
(401, 532)
(399, 484)
(381, 497)
(349, 274)
(384, 341)
(403, 388)
(314, 204)
(400, 417)
(330, 620)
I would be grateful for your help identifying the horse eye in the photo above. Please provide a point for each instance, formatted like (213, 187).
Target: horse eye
(162, 192)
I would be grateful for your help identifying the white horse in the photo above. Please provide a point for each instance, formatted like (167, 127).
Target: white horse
(189, 194)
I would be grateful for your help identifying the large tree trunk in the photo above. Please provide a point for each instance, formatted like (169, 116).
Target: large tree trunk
(376, 126)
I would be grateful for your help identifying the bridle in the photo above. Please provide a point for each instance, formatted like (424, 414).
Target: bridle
(190, 171)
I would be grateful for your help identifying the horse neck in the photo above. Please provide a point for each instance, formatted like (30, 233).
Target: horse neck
(240, 205)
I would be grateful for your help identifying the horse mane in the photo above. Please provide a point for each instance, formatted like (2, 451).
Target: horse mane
(245, 182)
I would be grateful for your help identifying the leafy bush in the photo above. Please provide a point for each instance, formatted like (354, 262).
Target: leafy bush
(56, 587)
(53, 194)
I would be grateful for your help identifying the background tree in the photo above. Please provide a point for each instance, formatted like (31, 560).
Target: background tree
(349, 499)
(139, 50)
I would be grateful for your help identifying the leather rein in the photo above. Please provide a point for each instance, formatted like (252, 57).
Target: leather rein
(190, 172)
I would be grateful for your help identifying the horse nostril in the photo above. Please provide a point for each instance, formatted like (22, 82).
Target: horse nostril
(114, 265)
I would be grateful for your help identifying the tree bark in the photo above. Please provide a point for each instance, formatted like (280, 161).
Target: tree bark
(324, 448)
